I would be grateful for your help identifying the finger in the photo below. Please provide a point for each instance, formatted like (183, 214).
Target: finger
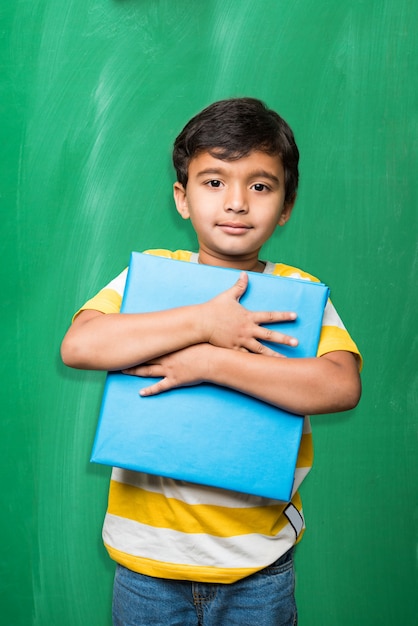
(256, 347)
(273, 336)
(130, 371)
(240, 286)
(259, 348)
(156, 388)
(269, 317)
(144, 371)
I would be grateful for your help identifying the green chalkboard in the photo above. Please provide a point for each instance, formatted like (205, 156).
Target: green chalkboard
(92, 94)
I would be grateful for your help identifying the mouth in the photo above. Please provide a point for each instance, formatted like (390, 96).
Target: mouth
(234, 228)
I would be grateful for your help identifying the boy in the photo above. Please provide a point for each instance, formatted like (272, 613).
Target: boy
(187, 554)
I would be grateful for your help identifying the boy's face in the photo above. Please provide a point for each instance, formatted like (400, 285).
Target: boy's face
(234, 206)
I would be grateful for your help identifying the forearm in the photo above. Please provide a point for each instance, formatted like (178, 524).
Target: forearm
(304, 386)
(117, 341)
(120, 341)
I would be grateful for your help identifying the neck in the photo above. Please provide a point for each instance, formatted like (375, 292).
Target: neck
(247, 264)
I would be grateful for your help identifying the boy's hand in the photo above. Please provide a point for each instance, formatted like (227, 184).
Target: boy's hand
(229, 325)
(189, 366)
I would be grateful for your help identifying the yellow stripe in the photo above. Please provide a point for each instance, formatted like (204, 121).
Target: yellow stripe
(178, 255)
(280, 269)
(305, 455)
(154, 509)
(334, 338)
(106, 301)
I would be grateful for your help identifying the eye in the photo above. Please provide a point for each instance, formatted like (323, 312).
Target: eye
(260, 187)
(215, 184)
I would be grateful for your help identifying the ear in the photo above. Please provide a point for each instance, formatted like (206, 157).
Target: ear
(180, 198)
(287, 211)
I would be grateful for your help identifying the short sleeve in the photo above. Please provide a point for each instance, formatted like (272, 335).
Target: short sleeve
(334, 336)
(108, 299)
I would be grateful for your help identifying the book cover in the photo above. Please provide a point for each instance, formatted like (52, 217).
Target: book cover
(205, 433)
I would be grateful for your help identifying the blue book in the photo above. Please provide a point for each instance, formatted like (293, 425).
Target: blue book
(205, 433)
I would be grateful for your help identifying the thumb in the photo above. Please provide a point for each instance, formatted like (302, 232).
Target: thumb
(240, 286)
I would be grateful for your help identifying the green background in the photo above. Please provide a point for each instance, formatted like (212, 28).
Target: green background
(92, 94)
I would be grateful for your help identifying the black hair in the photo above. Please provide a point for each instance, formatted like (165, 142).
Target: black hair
(231, 129)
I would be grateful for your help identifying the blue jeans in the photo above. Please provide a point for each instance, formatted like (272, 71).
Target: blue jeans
(263, 599)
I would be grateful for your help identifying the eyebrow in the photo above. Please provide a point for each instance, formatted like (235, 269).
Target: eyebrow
(260, 173)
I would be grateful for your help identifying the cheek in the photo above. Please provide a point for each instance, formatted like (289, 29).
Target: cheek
(196, 220)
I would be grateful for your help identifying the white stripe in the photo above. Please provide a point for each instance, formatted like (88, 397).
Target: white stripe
(118, 283)
(189, 493)
(299, 276)
(331, 317)
(170, 546)
(307, 429)
(269, 268)
(300, 475)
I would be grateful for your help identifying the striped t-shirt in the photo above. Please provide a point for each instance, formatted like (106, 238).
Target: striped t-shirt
(173, 529)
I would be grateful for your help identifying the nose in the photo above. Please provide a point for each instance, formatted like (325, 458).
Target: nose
(236, 199)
